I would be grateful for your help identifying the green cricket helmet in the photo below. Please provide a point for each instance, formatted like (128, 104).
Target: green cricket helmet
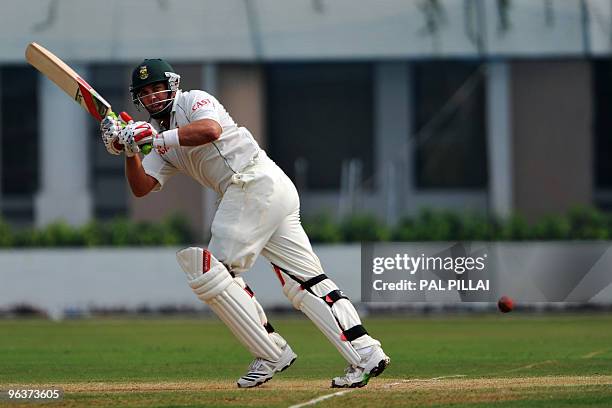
(149, 72)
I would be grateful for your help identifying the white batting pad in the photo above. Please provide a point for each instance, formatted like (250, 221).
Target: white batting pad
(321, 315)
(212, 283)
(260, 311)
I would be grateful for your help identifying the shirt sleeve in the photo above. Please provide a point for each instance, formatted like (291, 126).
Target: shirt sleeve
(155, 166)
(203, 106)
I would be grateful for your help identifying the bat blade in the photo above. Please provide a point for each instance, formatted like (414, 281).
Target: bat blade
(67, 80)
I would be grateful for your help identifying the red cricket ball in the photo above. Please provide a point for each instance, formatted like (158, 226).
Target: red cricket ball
(505, 304)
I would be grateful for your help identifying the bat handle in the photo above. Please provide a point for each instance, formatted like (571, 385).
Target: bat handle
(126, 118)
(146, 148)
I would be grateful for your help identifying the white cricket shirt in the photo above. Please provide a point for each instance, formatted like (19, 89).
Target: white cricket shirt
(212, 164)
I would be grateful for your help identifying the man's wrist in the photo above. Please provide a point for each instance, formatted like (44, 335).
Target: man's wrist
(171, 138)
(167, 140)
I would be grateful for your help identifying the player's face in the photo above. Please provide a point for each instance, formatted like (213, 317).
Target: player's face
(154, 97)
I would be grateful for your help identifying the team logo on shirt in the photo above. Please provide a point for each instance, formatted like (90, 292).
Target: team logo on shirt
(200, 104)
(143, 72)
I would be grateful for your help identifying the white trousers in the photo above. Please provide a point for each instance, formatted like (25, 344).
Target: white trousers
(260, 214)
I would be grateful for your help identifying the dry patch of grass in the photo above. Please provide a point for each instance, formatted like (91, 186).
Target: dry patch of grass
(279, 392)
(458, 383)
(494, 383)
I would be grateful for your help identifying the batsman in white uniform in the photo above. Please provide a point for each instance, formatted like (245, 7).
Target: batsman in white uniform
(259, 213)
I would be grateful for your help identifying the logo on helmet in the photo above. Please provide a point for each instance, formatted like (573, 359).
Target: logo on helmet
(143, 72)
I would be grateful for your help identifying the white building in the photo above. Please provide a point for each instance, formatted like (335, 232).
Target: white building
(384, 106)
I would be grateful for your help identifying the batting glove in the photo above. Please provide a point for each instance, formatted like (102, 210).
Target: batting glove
(136, 134)
(109, 129)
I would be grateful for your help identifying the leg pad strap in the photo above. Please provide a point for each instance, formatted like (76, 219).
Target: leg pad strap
(333, 296)
(354, 333)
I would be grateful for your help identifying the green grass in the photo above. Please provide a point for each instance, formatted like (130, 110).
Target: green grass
(203, 352)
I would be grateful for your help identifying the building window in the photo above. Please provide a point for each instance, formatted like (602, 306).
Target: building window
(319, 117)
(19, 138)
(602, 93)
(450, 129)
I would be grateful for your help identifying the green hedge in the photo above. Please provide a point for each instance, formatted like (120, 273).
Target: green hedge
(173, 230)
(429, 225)
(581, 223)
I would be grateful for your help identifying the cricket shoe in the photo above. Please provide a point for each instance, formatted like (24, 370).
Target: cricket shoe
(373, 363)
(262, 370)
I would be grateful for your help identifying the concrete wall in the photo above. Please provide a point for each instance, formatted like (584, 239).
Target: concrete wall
(552, 136)
(56, 280)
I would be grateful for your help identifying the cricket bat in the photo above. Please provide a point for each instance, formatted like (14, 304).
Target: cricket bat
(73, 85)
